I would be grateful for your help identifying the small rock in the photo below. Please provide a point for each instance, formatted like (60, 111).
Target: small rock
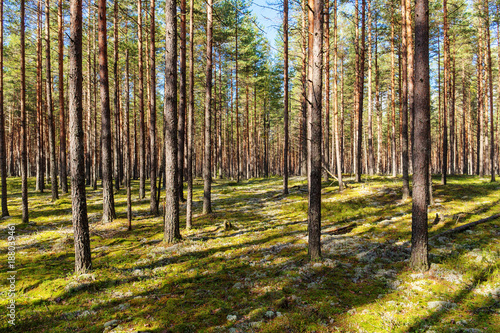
(256, 324)
(278, 314)
(439, 305)
(111, 323)
(317, 265)
(238, 285)
(269, 314)
(123, 306)
(231, 317)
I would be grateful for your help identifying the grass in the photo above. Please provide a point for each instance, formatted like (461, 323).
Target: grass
(362, 284)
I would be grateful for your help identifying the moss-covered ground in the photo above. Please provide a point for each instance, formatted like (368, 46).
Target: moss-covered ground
(257, 277)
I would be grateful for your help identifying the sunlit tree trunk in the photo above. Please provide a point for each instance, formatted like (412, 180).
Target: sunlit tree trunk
(40, 181)
(182, 103)
(62, 118)
(83, 261)
(371, 155)
(108, 209)
(142, 131)
(444, 166)
(126, 118)
(50, 108)
(171, 211)
(419, 250)
(338, 150)
(404, 98)
(490, 83)
(314, 211)
(153, 202)
(190, 119)
(393, 104)
(116, 102)
(207, 162)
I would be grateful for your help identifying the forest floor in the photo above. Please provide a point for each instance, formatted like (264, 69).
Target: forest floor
(257, 277)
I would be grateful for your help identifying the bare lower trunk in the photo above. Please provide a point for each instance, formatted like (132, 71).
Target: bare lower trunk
(62, 119)
(190, 124)
(153, 202)
(3, 153)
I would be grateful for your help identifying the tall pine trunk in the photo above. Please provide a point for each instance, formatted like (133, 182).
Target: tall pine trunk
(108, 209)
(182, 103)
(83, 261)
(207, 161)
(285, 99)
(404, 98)
(142, 133)
(153, 202)
(62, 119)
(171, 211)
(190, 119)
(315, 98)
(3, 152)
(50, 107)
(419, 250)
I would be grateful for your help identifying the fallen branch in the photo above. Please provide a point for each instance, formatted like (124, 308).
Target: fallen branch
(342, 230)
(466, 226)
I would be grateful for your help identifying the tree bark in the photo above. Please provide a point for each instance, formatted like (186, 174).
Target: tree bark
(62, 118)
(40, 181)
(490, 83)
(126, 118)
(338, 156)
(50, 108)
(315, 98)
(190, 119)
(108, 204)
(83, 261)
(153, 202)
(142, 134)
(285, 98)
(182, 102)
(116, 102)
(444, 166)
(207, 161)
(404, 98)
(371, 155)
(171, 210)
(419, 239)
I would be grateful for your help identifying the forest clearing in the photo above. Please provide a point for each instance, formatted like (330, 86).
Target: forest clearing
(250, 166)
(258, 271)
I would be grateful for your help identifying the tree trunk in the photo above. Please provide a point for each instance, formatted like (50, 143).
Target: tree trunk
(116, 102)
(303, 98)
(126, 118)
(371, 155)
(83, 261)
(285, 99)
(182, 102)
(171, 210)
(404, 98)
(62, 118)
(108, 204)
(40, 181)
(419, 250)
(393, 104)
(490, 82)
(3, 153)
(207, 162)
(142, 134)
(315, 98)
(50, 108)
(444, 166)
(153, 202)
(326, 51)
(338, 156)
(190, 119)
